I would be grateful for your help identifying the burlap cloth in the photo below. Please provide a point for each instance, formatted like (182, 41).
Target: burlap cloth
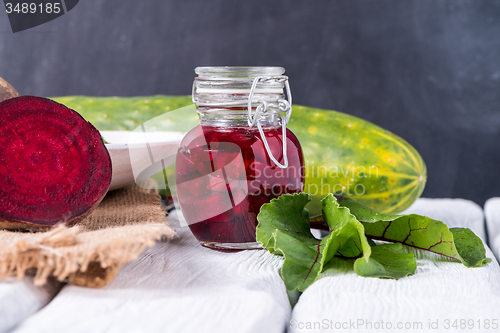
(92, 252)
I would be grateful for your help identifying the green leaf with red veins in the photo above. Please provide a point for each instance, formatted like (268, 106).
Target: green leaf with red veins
(420, 232)
(284, 228)
(303, 259)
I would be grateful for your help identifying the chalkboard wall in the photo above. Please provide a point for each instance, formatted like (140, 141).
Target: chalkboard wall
(426, 70)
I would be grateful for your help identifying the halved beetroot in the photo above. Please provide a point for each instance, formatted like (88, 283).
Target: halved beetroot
(54, 166)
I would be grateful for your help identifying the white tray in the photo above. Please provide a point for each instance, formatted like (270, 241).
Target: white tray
(134, 152)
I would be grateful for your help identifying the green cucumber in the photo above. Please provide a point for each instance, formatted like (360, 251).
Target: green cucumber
(375, 167)
(128, 113)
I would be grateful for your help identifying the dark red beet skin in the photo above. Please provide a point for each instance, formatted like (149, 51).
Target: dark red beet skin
(54, 166)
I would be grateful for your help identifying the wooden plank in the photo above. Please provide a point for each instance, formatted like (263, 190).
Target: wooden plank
(177, 286)
(492, 214)
(20, 299)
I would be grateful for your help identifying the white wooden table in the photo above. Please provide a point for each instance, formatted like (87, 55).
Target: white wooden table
(179, 286)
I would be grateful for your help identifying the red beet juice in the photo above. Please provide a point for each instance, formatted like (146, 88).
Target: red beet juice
(224, 175)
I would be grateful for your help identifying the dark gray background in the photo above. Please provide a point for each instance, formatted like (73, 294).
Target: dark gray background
(426, 70)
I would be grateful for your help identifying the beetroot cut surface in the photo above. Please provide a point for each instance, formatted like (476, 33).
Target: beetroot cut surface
(54, 166)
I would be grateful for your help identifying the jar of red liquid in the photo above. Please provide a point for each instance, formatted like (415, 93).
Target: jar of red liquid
(240, 156)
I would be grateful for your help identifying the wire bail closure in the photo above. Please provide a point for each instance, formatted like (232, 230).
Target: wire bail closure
(283, 105)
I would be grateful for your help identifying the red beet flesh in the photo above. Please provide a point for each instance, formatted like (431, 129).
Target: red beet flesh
(54, 167)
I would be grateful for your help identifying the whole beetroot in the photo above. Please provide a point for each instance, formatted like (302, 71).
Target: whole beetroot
(54, 167)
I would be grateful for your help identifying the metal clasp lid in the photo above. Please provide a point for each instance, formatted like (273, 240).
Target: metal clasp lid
(283, 105)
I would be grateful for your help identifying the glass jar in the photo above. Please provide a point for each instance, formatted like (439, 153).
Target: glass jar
(237, 159)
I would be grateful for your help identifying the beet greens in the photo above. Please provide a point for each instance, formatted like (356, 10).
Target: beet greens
(284, 229)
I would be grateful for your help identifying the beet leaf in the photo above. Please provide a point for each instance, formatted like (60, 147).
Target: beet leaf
(284, 229)
(420, 232)
(387, 261)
